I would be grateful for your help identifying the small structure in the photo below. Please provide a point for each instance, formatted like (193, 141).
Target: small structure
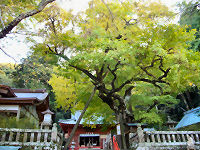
(47, 122)
(170, 123)
(190, 117)
(85, 137)
(22, 103)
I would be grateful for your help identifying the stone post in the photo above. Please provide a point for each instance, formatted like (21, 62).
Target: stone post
(190, 143)
(140, 134)
(54, 133)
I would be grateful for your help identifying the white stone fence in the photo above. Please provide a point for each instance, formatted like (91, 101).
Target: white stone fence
(36, 138)
(167, 138)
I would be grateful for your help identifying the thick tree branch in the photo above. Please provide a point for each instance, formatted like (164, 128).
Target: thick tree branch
(22, 16)
(156, 85)
(128, 91)
(114, 74)
(139, 79)
(86, 72)
(58, 54)
(145, 70)
(50, 49)
(156, 79)
(150, 66)
(152, 63)
(100, 75)
(122, 85)
(53, 25)
(108, 100)
(160, 67)
(165, 74)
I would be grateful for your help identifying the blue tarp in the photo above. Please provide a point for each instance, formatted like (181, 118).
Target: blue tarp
(190, 117)
(9, 147)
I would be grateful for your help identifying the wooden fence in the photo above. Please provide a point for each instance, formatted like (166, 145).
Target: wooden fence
(36, 138)
(166, 138)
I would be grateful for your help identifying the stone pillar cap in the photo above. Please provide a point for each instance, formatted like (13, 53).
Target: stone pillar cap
(47, 112)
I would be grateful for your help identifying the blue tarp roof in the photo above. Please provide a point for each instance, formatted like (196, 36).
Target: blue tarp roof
(190, 117)
(10, 147)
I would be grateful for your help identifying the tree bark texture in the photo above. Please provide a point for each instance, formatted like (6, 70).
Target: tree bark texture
(122, 129)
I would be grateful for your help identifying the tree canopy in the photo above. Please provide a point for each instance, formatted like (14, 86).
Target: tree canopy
(130, 52)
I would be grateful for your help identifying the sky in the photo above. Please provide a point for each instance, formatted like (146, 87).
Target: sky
(15, 46)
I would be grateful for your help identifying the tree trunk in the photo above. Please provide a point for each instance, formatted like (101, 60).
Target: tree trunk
(122, 129)
(185, 101)
(189, 99)
(79, 119)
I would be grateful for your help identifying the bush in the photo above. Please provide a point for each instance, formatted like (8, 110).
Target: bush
(11, 122)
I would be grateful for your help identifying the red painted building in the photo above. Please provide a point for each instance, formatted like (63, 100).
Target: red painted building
(85, 137)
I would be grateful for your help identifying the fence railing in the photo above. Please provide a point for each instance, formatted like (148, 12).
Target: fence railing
(167, 138)
(50, 139)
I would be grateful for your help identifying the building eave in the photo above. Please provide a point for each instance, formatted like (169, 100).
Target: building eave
(19, 101)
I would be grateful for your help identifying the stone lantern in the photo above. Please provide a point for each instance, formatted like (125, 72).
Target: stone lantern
(170, 123)
(47, 122)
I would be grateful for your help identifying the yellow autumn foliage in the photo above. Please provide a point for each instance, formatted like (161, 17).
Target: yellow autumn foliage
(65, 91)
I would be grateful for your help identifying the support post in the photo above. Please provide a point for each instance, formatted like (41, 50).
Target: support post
(18, 113)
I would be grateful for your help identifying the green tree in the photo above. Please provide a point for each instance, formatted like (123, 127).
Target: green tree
(190, 16)
(107, 49)
(189, 98)
(6, 71)
(33, 72)
(134, 58)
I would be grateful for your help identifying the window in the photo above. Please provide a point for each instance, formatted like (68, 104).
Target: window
(87, 140)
